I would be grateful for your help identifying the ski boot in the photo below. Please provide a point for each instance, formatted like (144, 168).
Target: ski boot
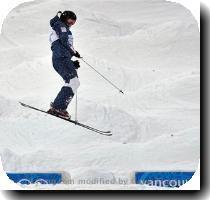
(59, 113)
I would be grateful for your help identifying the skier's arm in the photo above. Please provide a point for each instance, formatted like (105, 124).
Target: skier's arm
(54, 20)
(62, 33)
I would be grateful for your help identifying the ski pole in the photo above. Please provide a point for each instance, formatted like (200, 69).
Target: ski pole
(102, 76)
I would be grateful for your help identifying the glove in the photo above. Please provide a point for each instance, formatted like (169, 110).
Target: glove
(76, 64)
(77, 55)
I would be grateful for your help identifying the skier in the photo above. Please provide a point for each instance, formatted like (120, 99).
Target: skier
(61, 40)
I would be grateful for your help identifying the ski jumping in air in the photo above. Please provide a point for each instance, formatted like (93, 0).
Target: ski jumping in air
(61, 40)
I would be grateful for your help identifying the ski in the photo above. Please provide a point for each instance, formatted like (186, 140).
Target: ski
(106, 133)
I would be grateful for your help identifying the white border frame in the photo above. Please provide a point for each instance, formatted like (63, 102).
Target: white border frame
(8, 5)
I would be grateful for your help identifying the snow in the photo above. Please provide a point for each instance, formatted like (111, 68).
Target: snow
(150, 49)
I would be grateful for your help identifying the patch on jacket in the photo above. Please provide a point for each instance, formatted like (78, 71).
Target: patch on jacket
(63, 29)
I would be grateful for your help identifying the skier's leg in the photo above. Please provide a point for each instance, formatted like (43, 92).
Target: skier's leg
(66, 94)
(72, 83)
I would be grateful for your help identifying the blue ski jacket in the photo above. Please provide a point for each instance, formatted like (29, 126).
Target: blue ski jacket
(61, 39)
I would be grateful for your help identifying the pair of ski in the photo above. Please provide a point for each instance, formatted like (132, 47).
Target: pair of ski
(106, 133)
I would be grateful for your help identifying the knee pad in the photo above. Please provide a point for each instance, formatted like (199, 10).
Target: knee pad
(73, 84)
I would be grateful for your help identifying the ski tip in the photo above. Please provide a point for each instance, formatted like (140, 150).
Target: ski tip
(121, 91)
(108, 133)
(22, 104)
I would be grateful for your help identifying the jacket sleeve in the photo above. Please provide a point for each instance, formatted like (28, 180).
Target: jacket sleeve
(62, 33)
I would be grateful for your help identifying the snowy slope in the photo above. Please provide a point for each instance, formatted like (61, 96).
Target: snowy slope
(149, 48)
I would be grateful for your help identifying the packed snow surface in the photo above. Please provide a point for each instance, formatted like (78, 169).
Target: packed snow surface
(149, 48)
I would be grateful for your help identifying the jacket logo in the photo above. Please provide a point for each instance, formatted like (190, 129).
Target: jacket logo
(63, 29)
